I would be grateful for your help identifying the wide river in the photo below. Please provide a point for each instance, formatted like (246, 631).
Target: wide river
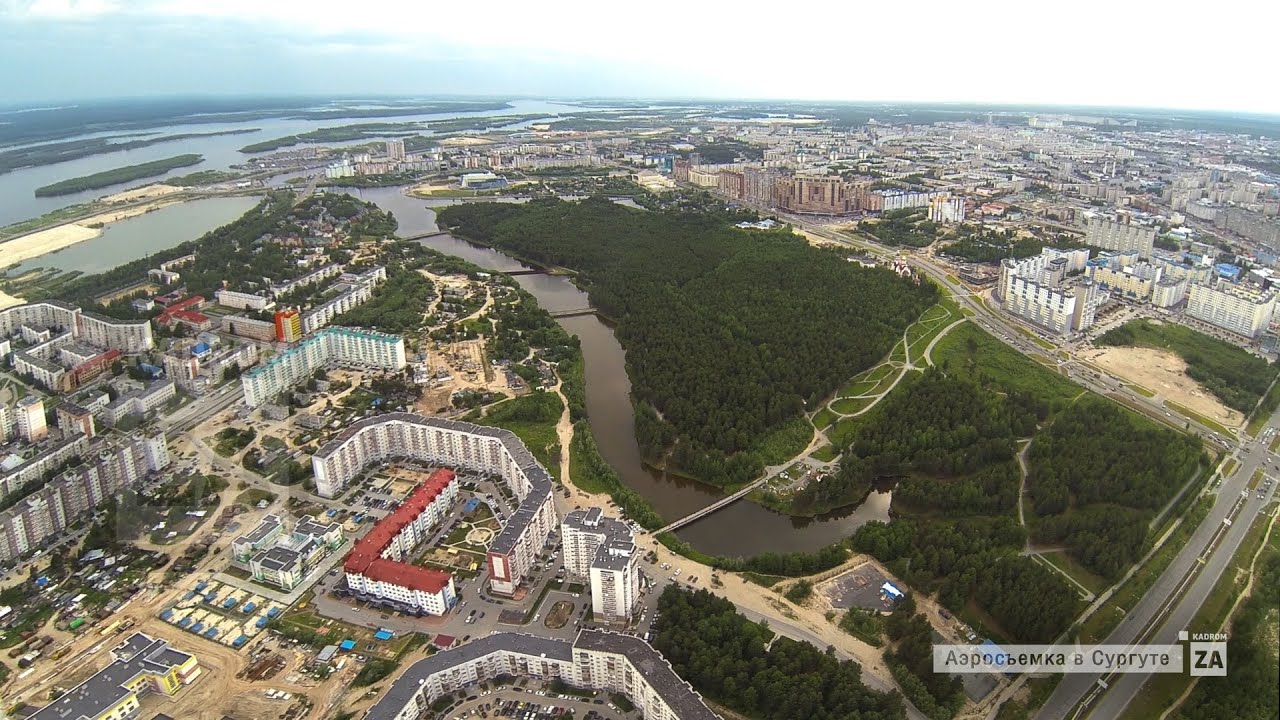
(17, 188)
(743, 528)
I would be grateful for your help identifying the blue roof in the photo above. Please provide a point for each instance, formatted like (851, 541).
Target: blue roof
(384, 635)
(348, 645)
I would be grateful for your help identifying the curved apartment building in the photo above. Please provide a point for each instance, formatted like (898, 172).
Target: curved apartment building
(455, 444)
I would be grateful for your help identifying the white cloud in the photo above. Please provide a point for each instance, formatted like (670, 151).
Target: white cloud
(59, 9)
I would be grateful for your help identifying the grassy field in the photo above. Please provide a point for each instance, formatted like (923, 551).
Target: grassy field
(1205, 421)
(826, 453)
(970, 352)
(823, 418)
(539, 435)
(849, 406)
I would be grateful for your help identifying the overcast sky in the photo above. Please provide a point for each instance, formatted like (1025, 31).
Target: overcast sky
(1174, 53)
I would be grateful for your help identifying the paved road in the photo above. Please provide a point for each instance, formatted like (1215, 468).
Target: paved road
(1161, 605)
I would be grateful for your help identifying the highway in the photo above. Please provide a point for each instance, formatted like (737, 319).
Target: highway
(1176, 596)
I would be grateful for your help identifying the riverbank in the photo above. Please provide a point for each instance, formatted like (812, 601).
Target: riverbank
(43, 242)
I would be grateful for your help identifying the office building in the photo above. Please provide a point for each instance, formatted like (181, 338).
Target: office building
(1240, 309)
(365, 349)
(602, 550)
(379, 565)
(288, 326)
(489, 450)
(29, 417)
(286, 559)
(1121, 237)
(595, 660)
(139, 665)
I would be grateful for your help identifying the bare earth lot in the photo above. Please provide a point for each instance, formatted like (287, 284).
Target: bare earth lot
(1165, 374)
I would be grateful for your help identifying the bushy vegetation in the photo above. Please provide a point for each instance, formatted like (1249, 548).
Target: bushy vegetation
(908, 227)
(938, 696)
(975, 243)
(1235, 376)
(723, 358)
(1096, 477)
(397, 306)
(118, 175)
(723, 655)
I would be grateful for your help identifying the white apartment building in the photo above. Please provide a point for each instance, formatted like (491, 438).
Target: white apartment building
(599, 660)
(139, 402)
(1169, 292)
(242, 300)
(455, 444)
(1121, 237)
(395, 150)
(1035, 289)
(947, 209)
(1136, 281)
(1240, 309)
(29, 416)
(359, 288)
(602, 550)
(331, 346)
(98, 330)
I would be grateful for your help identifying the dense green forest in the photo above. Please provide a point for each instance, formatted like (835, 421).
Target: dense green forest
(936, 695)
(115, 176)
(1235, 376)
(952, 441)
(727, 151)
(398, 305)
(723, 655)
(1098, 474)
(1250, 691)
(910, 227)
(722, 357)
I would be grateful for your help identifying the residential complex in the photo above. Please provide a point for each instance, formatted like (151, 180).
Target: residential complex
(1037, 290)
(1238, 308)
(139, 665)
(1120, 236)
(595, 660)
(106, 468)
(285, 559)
(379, 565)
(602, 550)
(454, 444)
(354, 290)
(331, 346)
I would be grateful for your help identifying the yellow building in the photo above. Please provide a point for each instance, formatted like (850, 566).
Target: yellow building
(140, 665)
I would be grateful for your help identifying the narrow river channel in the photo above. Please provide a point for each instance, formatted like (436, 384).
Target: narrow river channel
(743, 528)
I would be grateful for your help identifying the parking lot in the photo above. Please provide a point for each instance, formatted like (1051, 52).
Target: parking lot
(536, 701)
(859, 587)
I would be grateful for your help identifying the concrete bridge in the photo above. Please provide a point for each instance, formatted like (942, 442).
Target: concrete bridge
(573, 313)
(698, 515)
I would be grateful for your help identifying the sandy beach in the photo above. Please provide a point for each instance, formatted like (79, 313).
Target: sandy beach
(463, 141)
(7, 300)
(26, 247)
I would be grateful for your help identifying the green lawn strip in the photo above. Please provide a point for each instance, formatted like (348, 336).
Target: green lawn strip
(1256, 479)
(849, 406)
(972, 353)
(1205, 421)
(1229, 467)
(1034, 338)
(823, 418)
(1069, 566)
(1140, 390)
(826, 453)
(1162, 690)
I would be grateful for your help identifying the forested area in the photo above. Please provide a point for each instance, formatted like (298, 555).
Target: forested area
(723, 357)
(723, 655)
(397, 306)
(1234, 375)
(910, 227)
(937, 695)
(1097, 475)
(975, 243)
(975, 559)
(947, 438)
(115, 176)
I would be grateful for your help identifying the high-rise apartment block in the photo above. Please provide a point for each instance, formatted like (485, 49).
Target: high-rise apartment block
(1036, 289)
(331, 346)
(288, 326)
(29, 415)
(1241, 309)
(1121, 237)
(603, 550)
(395, 150)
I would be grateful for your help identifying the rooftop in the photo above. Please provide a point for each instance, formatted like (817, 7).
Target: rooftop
(137, 655)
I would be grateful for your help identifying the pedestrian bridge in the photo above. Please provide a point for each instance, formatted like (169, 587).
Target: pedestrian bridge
(698, 515)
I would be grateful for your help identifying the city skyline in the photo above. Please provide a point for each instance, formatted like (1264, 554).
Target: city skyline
(992, 54)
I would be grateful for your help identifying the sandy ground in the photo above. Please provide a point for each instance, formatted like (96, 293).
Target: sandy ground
(427, 189)
(7, 300)
(150, 191)
(1165, 374)
(815, 240)
(464, 141)
(24, 248)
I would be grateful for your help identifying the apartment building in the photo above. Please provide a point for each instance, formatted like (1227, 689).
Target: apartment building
(247, 327)
(356, 290)
(602, 551)
(946, 209)
(139, 402)
(818, 195)
(242, 300)
(1120, 236)
(595, 659)
(288, 326)
(1036, 289)
(139, 665)
(1241, 309)
(331, 346)
(106, 468)
(455, 444)
(29, 417)
(1123, 273)
(1169, 292)
(378, 565)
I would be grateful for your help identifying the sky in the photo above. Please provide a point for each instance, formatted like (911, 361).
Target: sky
(1172, 54)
